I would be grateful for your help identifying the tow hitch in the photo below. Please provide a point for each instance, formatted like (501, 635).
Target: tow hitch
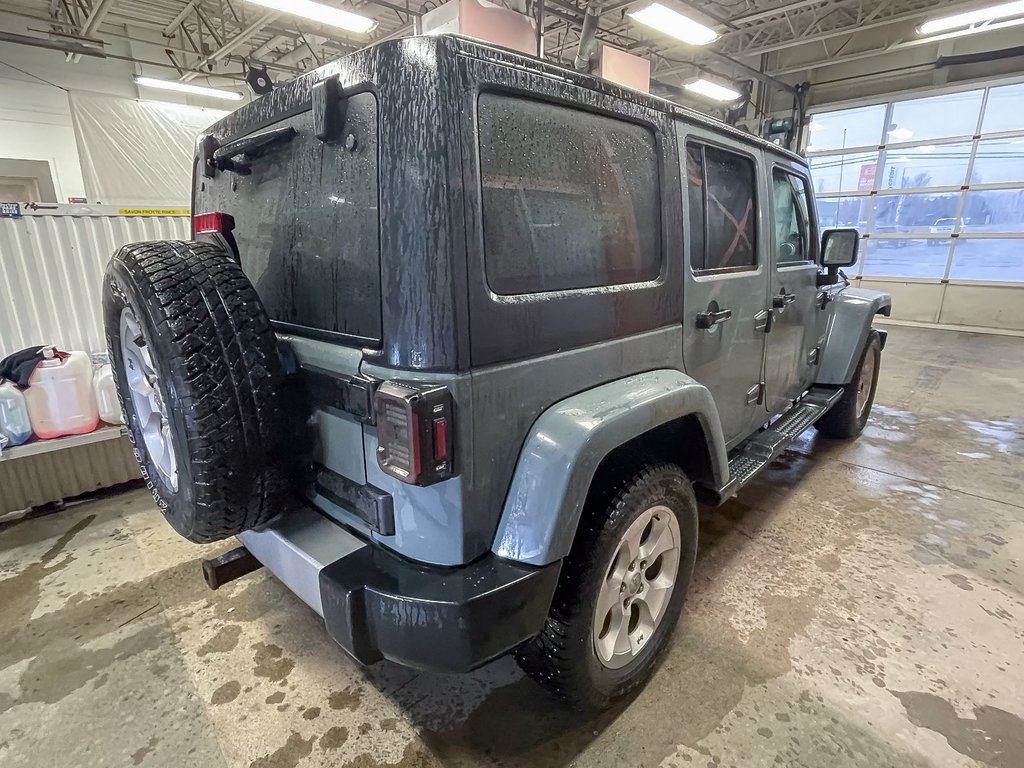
(229, 566)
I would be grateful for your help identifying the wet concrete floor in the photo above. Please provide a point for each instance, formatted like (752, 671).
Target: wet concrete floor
(860, 605)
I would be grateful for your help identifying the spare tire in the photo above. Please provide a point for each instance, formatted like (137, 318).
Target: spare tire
(198, 375)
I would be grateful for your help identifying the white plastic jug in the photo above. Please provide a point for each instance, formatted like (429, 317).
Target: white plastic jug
(106, 395)
(14, 421)
(60, 398)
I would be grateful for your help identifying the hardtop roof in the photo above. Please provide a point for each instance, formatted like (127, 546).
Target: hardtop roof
(295, 95)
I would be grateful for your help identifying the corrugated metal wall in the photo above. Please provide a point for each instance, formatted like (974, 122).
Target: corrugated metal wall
(51, 268)
(63, 474)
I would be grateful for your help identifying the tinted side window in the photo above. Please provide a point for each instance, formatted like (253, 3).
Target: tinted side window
(721, 194)
(792, 220)
(570, 199)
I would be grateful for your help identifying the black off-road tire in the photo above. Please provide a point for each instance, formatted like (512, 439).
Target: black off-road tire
(562, 658)
(219, 374)
(844, 420)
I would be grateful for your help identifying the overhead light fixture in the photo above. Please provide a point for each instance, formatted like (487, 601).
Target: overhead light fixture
(713, 91)
(674, 24)
(902, 159)
(927, 148)
(980, 16)
(325, 14)
(177, 85)
(901, 134)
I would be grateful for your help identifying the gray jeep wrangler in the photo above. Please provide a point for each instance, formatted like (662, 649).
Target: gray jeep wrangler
(462, 338)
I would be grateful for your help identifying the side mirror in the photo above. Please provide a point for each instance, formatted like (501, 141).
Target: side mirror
(839, 248)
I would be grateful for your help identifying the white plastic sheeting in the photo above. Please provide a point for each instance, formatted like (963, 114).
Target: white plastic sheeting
(137, 152)
(51, 269)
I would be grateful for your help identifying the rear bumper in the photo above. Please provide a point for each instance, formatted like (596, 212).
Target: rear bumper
(377, 605)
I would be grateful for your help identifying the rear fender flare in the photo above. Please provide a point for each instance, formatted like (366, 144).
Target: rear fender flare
(847, 332)
(567, 443)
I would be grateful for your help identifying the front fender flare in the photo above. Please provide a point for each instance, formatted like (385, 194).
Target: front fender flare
(567, 443)
(847, 331)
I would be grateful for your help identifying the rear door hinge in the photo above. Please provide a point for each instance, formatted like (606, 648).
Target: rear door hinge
(764, 320)
(755, 395)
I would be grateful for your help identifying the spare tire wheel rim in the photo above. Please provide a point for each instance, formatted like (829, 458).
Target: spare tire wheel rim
(147, 401)
(637, 587)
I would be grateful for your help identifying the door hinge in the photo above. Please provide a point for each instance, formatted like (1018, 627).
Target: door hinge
(764, 320)
(814, 356)
(755, 395)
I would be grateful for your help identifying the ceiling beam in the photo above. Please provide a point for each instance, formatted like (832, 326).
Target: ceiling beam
(92, 22)
(95, 18)
(182, 15)
(234, 43)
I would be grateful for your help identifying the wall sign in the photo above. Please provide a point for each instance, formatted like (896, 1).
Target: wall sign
(10, 210)
(154, 212)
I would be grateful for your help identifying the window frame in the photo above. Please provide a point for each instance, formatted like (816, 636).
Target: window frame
(704, 142)
(813, 229)
(658, 193)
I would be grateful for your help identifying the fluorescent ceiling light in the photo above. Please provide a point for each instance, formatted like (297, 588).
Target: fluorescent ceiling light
(926, 148)
(816, 126)
(674, 24)
(992, 13)
(901, 159)
(198, 90)
(901, 134)
(325, 14)
(711, 90)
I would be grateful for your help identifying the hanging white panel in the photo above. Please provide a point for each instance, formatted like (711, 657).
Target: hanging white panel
(137, 152)
(51, 269)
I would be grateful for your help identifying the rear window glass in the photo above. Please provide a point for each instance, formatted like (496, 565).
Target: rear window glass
(307, 225)
(570, 198)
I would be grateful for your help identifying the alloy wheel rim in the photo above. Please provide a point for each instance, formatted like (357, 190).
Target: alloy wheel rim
(867, 375)
(637, 587)
(150, 409)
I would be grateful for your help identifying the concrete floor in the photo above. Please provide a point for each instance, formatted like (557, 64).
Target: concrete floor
(861, 605)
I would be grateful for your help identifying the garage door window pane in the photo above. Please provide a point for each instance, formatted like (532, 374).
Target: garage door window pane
(935, 117)
(570, 198)
(891, 257)
(1004, 111)
(861, 127)
(999, 160)
(988, 260)
(917, 213)
(844, 211)
(844, 173)
(931, 165)
(999, 210)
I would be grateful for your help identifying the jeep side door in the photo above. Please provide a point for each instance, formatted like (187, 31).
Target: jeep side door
(726, 281)
(796, 314)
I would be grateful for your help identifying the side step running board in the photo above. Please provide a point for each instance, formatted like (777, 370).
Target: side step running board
(763, 448)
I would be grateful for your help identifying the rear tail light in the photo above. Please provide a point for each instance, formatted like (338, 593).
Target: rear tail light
(414, 429)
(212, 223)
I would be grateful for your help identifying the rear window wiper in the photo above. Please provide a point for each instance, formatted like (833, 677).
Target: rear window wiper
(223, 158)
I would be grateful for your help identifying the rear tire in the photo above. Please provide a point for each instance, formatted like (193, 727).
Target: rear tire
(574, 655)
(198, 376)
(848, 417)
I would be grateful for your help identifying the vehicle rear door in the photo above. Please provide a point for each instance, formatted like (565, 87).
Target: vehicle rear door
(793, 343)
(726, 281)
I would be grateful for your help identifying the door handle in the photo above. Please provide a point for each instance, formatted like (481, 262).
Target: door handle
(783, 300)
(709, 319)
